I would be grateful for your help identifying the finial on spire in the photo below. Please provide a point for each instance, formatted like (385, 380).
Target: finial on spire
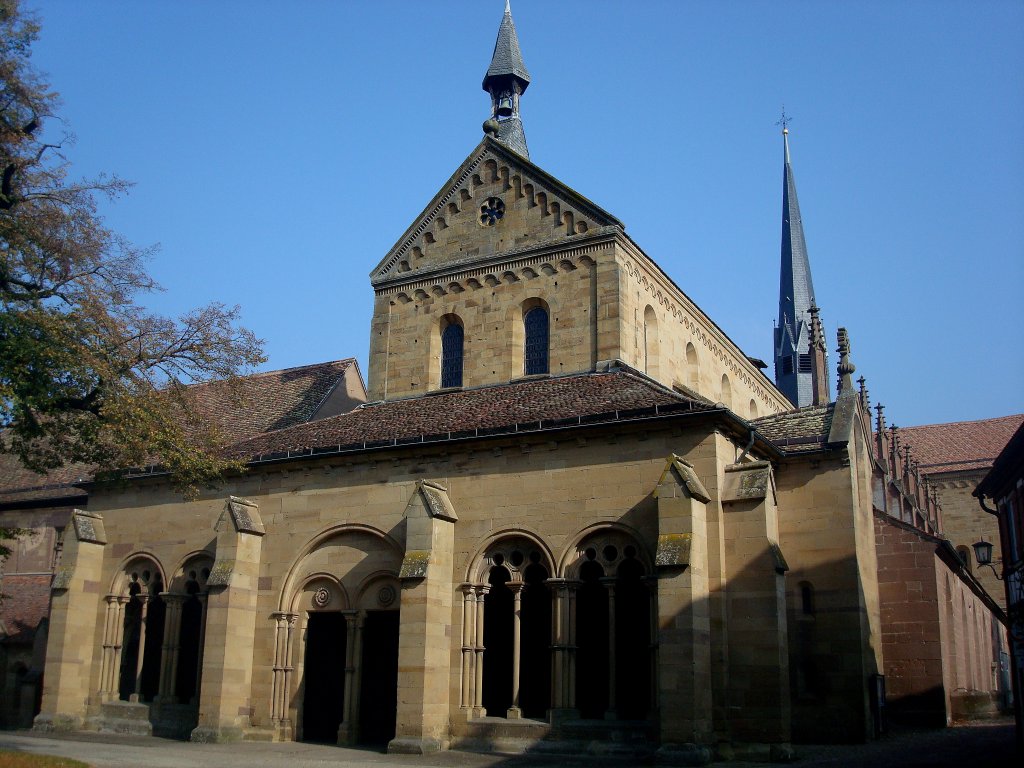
(846, 367)
(881, 418)
(508, 7)
(784, 122)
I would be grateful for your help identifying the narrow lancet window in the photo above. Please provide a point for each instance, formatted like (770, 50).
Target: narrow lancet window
(536, 352)
(451, 355)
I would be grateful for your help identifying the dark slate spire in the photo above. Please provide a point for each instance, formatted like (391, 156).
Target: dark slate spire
(506, 80)
(795, 369)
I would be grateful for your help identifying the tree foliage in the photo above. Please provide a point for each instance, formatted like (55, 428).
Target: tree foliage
(87, 373)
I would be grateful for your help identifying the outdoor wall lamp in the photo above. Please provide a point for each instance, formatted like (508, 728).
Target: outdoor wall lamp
(983, 554)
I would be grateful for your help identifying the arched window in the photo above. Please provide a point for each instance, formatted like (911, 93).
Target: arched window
(650, 342)
(692, 369)
(726, 395)
(452, 336)
(965, 556)
(752, 409)
(535, 354)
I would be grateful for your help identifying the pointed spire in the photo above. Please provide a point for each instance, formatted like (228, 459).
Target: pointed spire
(796, 373)
(506, 80)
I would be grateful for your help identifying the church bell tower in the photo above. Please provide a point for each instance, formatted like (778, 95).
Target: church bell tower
(507, 80)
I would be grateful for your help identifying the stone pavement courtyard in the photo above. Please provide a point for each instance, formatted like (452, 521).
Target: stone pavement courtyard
(988, 743)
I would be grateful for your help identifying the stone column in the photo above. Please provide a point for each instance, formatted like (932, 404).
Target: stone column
(424, 644)
(172, 639)
(228, 629)
(514, 712)
(357, 678)
(559, 647)
(202, 598)
(346, 731)
(115, 666)
(143, 598)
(570, 620)
(281, 689)
(468, 644)
(611, 713)
(109, 636)
(74, 611)
(478, 682)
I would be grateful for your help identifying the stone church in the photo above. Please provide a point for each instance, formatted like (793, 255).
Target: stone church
(570, 511)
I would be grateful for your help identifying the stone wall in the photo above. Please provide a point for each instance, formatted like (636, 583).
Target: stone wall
(937, 632)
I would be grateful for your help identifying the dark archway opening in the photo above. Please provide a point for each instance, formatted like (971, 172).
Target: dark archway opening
(591, 640)
(378, 697)
(130, 642)
(499, 605)
(156, 610)
(324, 698)
(149, 681)
(535, 649)
(632, 640)
(188, 645)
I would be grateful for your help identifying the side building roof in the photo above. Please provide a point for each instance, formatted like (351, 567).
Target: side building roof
(250, 406)
(960, 445)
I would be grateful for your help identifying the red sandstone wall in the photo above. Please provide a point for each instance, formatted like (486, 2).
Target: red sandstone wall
(936, 632)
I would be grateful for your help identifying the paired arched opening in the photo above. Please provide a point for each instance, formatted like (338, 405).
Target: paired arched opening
(142, 628)
(613, 630)
(153, 634)
(579, 643)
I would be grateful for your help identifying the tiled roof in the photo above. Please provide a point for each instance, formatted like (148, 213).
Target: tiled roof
(801, 429)
(531, 404)
(259, 403)
(273, 400)
(26, 602)
(959, 445)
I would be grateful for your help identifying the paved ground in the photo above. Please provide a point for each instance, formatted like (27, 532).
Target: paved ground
(989, 745)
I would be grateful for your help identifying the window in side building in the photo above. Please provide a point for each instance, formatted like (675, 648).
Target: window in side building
(451, 355)
(787, 365)
(536, 351)
(806, 363)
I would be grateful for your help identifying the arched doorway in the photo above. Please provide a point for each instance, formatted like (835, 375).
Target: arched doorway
(324, 691)
(377, 673)
(335, 669)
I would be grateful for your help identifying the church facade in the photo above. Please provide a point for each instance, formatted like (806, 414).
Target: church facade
(572, 510)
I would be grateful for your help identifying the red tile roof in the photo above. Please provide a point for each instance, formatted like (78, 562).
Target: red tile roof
(470, 412)
(959, 445)
(259, 403)
(25, 603)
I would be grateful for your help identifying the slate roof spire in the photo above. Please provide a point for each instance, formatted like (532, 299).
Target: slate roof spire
(798, 374)
(506, 80)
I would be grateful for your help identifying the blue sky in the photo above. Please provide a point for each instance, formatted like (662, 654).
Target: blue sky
(280, 149)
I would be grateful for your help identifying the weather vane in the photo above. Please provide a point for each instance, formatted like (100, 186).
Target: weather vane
(785, 121)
